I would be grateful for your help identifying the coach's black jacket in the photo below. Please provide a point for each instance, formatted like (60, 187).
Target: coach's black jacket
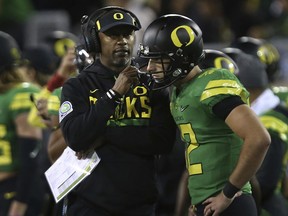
(131, 134)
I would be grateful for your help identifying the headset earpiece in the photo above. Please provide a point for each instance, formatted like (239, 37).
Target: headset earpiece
(89, 32)
(84, 21)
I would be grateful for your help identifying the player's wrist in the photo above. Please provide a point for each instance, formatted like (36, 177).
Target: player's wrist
(230, 190)
(55, 81)
(113, 95)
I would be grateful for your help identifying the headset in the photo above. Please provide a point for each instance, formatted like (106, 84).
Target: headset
(89, 32)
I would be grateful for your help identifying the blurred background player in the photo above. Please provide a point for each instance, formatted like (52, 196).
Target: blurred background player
(38, 64)
(63, 45)
(20, 193)
(60, 52)
(269, 55)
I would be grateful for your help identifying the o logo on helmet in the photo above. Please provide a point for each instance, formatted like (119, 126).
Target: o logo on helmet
(118, 16)
(267, 54)
(60, 46)
(218, 62)
(15, 53)
(175, 38)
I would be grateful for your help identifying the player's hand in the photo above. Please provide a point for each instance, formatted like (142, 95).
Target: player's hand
(82, 154)
(42, 107)
(67, 66)
(216, 205)
(191, 211)
(17, 208)
(126, 79)
(85, 153)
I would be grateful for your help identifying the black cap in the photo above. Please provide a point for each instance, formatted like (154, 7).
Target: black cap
(116, 18)
(9, 53)
(60, 41)
(41, 58)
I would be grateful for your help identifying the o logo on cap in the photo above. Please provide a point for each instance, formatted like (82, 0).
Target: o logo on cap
(175, 38)
(118, 16)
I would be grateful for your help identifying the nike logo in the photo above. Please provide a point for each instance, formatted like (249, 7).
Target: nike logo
(182, 108)
(93, 91)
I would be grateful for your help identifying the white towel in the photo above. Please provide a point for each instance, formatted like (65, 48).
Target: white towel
(266, 101)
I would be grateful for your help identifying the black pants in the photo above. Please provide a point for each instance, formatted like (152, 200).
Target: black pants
(243, 205)
(7, 194)
(276, 205)
(77, 206)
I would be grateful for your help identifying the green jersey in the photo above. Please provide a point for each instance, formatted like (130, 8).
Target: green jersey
(14, 102)
(281, 92)
(276, 122)
(212, 148)
(54, 102)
